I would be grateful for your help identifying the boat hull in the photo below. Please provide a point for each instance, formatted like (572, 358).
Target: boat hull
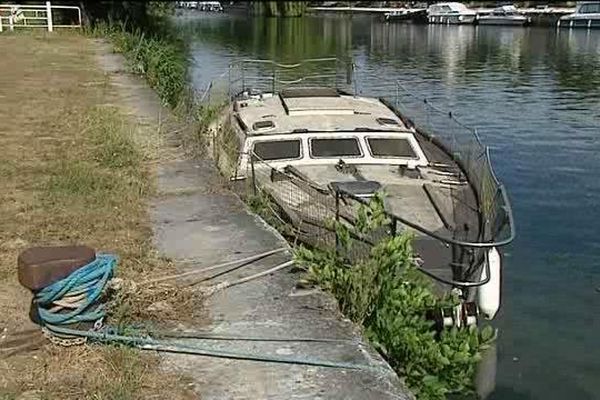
(452, 19)
(590, 22)
(502, 21)
(409, 17)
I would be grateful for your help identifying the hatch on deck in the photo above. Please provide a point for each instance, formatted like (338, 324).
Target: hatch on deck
(318, 106)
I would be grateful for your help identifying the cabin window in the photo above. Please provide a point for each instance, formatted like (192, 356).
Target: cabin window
(391, 148)
(335, 147)
(277, 150)
(590, 9)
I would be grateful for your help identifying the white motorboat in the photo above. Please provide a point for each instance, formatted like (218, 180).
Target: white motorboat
(586, 15)
(504, 15)
(450, 13)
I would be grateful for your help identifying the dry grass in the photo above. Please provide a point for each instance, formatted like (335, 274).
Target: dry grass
(73, 170)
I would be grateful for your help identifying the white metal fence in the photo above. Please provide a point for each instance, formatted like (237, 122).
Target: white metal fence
(15, 16)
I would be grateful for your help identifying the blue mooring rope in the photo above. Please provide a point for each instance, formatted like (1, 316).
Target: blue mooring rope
(89, 281)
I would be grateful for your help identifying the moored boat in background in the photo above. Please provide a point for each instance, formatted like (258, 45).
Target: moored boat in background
(450, 13)
(586, 15)
(504, 15)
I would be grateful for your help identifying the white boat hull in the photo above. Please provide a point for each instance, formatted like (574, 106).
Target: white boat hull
(452, 19)
(503, 21)
(589, 22)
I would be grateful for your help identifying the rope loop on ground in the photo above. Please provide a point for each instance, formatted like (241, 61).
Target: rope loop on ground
(76, 298)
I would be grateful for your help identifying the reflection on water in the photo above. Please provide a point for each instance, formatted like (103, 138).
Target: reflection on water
(534, 94)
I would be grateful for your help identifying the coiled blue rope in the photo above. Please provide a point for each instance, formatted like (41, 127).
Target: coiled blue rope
(88, 282)
(83, 288)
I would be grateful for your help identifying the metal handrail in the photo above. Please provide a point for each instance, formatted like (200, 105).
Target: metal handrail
(473, 130)
(483, 167)
(46, 9)
(252, 157)
(483, 150)
(435, 235)
(277, 68)
(281, 65)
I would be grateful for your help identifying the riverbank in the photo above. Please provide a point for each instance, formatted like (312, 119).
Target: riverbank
(94, 137)
(198, 222)
(76, 167)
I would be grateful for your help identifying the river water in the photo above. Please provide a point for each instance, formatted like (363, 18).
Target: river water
(534, 94)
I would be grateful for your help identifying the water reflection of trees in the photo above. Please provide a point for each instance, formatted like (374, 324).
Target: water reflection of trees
(283, 39)
(449, 53)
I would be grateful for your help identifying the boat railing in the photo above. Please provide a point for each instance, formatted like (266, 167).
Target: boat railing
(261, 172)
(463, 144)
(44, 15)
(267, 76)
(460, 141)
(305, 211)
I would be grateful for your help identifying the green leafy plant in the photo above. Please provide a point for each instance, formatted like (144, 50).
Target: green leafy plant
(391, 299)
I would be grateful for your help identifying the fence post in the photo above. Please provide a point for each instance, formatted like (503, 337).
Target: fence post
(11, 25)
(1, 23)
(49, 16)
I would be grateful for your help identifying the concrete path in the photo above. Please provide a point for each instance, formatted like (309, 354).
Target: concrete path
(196, 217)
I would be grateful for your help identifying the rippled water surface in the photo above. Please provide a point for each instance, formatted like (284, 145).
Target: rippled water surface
(534, 94)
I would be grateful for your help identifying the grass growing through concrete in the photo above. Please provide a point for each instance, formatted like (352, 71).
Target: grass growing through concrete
(73, 170)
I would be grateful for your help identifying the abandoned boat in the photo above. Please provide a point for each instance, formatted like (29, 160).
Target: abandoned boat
(319, 152)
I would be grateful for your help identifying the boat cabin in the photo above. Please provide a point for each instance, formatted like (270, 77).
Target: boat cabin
(586, 15)
(449, 9)
(320, 127)
(505, 10)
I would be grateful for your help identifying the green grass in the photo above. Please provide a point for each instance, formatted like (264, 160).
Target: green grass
(74, 171)
(113, 140)
(391, 300)
(108, 171)
(156, 53)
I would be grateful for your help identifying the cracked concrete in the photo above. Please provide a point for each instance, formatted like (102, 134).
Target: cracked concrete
(196, 218)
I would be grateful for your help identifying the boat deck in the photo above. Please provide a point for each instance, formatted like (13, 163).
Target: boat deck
(434, 196)
(324, 111)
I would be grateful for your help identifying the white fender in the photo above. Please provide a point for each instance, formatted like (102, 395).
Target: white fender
(488, 295)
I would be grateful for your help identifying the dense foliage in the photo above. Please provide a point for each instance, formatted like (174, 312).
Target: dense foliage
(142, 32)
(391, 300)
(160, 59)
